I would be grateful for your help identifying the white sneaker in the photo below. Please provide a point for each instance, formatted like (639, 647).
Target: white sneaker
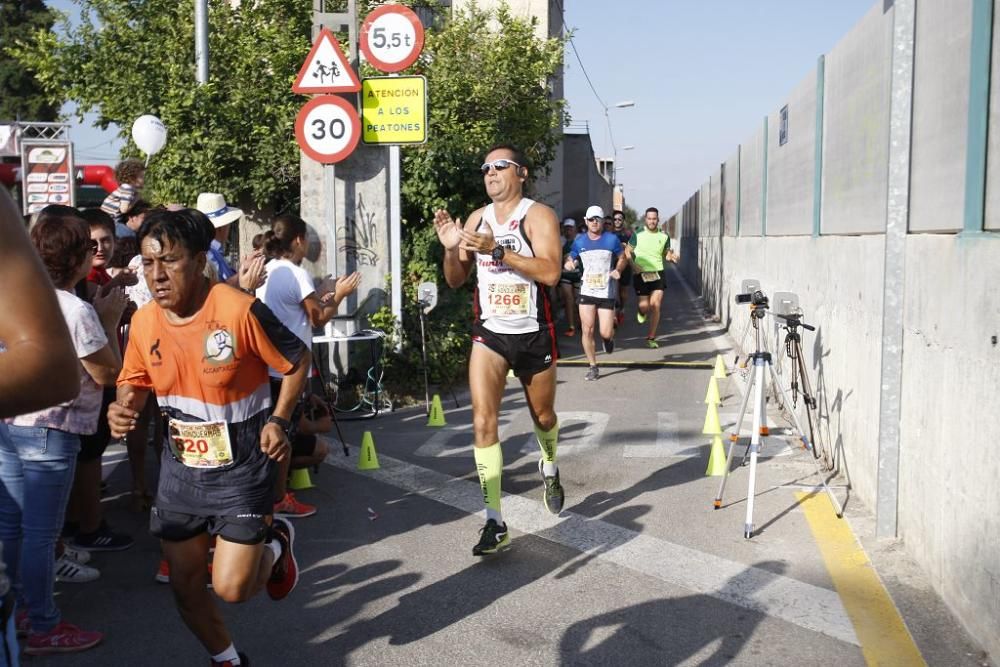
(70, 571)
(79, 555)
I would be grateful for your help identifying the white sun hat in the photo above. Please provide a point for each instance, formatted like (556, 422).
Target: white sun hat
(213, 205)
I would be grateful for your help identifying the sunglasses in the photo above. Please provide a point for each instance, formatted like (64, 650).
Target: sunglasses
(619, 219)
(93, 245)
(499, 165)
(595, 219)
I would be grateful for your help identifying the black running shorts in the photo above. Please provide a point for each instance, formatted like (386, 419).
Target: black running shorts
(526, 354)
(242, 528)
(643, 288)
(602, 304)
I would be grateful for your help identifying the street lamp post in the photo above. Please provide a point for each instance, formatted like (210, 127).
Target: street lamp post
(624, 104)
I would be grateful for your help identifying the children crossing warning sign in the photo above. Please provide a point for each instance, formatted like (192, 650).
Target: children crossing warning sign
(326, 70)
(394, 110)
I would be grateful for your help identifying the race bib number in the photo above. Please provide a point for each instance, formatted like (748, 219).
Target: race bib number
(650, 276)
(506, 300)
(596, 281)
(201, 444)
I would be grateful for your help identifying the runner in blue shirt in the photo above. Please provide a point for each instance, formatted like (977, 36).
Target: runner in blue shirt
(602, 258)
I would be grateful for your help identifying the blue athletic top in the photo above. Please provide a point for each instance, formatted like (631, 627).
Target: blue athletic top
(598, 257)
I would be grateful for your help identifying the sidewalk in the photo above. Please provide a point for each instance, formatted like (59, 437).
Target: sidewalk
(638, 569)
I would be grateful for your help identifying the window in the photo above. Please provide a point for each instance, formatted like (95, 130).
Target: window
(783, 126)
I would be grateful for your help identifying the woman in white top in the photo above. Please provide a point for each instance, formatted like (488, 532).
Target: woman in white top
(38, 451)
(290, 293)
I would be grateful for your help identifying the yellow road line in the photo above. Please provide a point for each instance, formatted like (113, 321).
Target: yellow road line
(707, 365)
(883, 635)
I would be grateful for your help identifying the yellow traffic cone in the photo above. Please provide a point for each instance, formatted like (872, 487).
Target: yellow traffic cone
(720, 368)
(712, 425)
(300, 480)
(717, 459)
(368, 459)
(712, 395)
(436, 418)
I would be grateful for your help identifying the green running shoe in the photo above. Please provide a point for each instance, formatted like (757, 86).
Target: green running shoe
(554, 495)
(493, 538)
(639, 317)
(652, 344)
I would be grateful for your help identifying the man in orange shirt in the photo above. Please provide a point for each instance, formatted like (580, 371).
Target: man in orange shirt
(205, 349)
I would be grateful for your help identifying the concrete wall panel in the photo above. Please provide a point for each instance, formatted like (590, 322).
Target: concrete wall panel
(731, 178)
(940, 115)
(948, 465)
(993, 159)
(856, 119)
(790, 167)
(715, 204)
(751, 161)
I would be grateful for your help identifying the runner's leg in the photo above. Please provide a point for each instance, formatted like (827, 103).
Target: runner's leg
(188, 561)
(588, 313)
(606, 316)
(487, 379)
(655, 299)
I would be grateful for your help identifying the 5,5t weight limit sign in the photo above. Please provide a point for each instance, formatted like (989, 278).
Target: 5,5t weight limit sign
(327, 129)
(392, 38)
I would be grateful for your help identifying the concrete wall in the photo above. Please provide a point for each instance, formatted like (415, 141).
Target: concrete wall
(790, 167)
(731, 192)
(940, 115)
(948, 498)
(751, 184)
(856, 132)
(993, 165)
(951, 379)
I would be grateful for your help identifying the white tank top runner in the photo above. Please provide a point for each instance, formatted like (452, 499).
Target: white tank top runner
(506, 301)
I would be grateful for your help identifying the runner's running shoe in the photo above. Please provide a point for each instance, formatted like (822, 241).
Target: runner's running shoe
(163, 573)
(639, 317)
(609, 345)
(69, 571)
(290, 508)
(593, 373)
(285, 571)
(64, 638)
(244, 661)
(493, 538)
(554, 495)
(570, 332)
(652, 344)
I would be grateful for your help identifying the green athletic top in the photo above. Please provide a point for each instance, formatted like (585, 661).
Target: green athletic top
(649, 247)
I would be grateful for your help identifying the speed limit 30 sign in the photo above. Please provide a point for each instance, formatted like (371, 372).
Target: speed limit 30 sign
(392, 38)
(327, 129)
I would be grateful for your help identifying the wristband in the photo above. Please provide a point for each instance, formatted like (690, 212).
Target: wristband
(282, 423)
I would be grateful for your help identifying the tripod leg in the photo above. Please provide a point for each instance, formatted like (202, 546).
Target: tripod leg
(798, 426)
(758, 418)
(733, 437)
(807, 398)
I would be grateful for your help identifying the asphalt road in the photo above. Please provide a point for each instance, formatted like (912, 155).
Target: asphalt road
(639, 569)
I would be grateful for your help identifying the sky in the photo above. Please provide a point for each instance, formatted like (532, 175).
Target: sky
(702, 74)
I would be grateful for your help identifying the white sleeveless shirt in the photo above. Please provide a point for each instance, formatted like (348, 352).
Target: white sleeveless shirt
(507, 302)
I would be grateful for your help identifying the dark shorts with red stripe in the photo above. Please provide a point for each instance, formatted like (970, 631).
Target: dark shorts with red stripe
(526, 354)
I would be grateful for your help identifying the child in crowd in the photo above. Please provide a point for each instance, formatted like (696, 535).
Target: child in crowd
(131, 176)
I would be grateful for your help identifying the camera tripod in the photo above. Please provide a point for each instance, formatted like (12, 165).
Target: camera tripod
(799, 383)
(763, 371)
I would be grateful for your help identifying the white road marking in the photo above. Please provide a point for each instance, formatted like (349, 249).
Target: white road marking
(437, 445)
(667, 445)
(590, 438)
(790, 600)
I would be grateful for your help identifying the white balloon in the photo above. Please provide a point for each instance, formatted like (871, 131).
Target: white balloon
(149, 134)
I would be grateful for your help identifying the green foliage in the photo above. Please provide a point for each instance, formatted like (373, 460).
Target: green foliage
(21, 97)
(233, 134)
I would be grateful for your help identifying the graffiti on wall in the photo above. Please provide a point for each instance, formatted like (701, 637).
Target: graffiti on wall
(360, 240)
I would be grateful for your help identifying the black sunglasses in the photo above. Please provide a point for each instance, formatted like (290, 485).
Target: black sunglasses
(499, 165)
(93, 245)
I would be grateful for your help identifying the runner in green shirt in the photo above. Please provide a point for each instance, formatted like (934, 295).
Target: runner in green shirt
(649, 249)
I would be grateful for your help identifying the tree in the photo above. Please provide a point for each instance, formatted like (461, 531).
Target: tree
(234, 134)
(21, 97)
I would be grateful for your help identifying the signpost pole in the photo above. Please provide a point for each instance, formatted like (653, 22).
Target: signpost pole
(395, 238)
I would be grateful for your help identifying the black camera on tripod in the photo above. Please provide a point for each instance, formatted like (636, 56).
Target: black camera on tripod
(751, 293)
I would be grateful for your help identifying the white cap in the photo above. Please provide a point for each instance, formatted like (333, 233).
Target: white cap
(569, 222)
(594, 212)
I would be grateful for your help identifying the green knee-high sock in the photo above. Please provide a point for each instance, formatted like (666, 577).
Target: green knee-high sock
(489, 465)
(547, 442)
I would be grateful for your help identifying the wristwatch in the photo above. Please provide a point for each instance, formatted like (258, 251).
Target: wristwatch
(498, 252)
(282, 423)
